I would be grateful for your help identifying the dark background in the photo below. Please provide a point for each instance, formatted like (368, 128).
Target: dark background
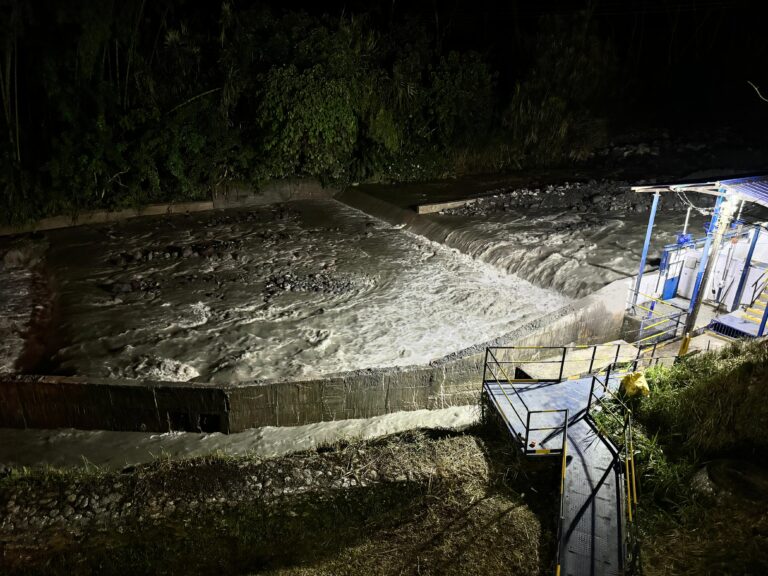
(682, 61)
(114, 104)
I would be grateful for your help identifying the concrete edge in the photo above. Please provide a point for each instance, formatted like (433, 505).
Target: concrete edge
(454, 379)
(229, 195)
(438, 206)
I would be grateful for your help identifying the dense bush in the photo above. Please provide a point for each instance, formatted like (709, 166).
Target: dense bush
(114, 104)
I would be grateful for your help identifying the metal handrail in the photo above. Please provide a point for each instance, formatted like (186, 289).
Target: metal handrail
(509, 400)
(625, 447)
(563, 472)
(528, 449)
(654, 299)
(526, 423)
(756, 282)
(561, 361)
(568, 346)
(757, 293)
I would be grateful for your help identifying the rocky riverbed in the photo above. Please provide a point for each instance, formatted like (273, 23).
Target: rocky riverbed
(594, 196)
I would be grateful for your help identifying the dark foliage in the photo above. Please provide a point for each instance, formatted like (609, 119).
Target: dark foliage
(115, 104)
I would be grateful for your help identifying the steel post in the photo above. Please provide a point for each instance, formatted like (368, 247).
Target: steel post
(527, 428)
(646, 244)
(592, 360)
(705, 256)
(562, 363)
(722, 219)
(745, 271)
(761, 330)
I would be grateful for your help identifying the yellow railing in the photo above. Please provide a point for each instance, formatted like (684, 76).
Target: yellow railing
(624, 440)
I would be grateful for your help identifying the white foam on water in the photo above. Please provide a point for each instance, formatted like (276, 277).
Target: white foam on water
(299, 291)
(115, 450)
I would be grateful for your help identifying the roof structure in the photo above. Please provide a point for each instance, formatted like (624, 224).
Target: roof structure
(751, 189)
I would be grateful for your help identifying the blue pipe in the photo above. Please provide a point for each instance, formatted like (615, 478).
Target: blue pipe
(761, 330)
(705, 255)
(745, 271)
(648, 233)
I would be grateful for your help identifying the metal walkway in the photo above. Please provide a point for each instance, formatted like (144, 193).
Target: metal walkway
(557, 417)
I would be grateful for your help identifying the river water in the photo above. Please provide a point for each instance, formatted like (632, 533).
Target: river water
(285, 292)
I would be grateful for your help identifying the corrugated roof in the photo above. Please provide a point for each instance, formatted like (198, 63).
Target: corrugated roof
(754, 189)
(751, 189)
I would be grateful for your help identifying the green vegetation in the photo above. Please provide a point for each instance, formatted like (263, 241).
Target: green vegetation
(700, 438)
(115, 104)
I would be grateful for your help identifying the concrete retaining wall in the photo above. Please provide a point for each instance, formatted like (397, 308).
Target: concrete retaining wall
(233, 195)
(230, 195)
(75, 402)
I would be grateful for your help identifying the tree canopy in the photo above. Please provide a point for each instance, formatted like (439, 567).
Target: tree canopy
(113, 104)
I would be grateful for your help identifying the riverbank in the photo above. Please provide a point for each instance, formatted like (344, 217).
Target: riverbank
(415, 503)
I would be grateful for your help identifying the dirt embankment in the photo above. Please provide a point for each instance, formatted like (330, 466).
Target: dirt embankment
(408, 504)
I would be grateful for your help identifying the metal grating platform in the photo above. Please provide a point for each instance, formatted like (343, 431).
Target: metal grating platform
(734, 325)
(592, 526)
(592, 539)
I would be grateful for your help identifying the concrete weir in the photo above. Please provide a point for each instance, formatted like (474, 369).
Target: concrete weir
(32, 401)
(111, 404)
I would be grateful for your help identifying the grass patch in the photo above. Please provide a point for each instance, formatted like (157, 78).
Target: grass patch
(701, 410)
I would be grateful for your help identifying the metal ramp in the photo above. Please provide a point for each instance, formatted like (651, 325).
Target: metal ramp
(560, 417)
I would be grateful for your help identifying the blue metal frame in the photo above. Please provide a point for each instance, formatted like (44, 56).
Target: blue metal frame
(696, 241)
(646, 244)
(761, 330)
(705, 254)
(745, 271)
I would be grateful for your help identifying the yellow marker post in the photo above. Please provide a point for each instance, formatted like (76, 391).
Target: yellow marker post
(629, 491)
(684, 346)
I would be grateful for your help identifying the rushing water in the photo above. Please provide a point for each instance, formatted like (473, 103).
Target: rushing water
(292, 291)
(570, 250)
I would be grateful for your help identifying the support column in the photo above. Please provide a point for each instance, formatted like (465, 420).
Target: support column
(648, 233)
(745, 271)
(721, 220)
(761, 330)
(704, 257)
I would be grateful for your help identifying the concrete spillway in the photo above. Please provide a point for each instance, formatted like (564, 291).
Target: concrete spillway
(228, 320)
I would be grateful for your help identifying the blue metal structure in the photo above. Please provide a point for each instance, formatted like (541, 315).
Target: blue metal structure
(745, 271)
(648, 234)
(754, 189)
(671, 277)
(705, 255)
(761, 330)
